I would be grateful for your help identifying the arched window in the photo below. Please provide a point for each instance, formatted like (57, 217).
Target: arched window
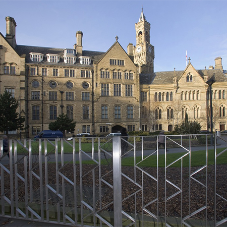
(189, 95)
(163, 96)
(156, 97)
(158, 113)
(222, 111)
(184, 112)
(196, 112)
(169, 113)
(182, 95)
(171, 96)
(167, 96)
(193, 95)
(223, 94)
(197, 95)
(185, 95)
(219, 96)
(159, 96)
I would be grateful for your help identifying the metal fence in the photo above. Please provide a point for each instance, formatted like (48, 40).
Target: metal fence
(117, 181)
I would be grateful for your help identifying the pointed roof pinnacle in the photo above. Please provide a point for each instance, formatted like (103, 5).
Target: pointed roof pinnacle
(142, 17)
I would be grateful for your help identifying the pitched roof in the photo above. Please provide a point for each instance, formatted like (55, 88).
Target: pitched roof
(22, 49)
(167, 77)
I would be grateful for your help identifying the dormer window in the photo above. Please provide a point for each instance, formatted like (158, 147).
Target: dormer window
(70, 56)
(85, 60)
(36, 57)
(53, 58)
(70, 60)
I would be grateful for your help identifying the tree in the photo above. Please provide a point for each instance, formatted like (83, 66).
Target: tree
(63, 123)
(188, 127)
(9, 118)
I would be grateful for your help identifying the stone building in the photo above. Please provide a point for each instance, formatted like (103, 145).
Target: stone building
(106, 91)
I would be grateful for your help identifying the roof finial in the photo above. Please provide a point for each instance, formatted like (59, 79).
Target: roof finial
(116, 38)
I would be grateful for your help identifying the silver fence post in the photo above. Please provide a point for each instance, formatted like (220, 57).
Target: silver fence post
(117, 186)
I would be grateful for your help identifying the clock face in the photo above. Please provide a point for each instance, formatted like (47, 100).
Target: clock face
(138, 49)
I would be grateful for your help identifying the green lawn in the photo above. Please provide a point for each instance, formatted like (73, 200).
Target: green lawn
(86, 147)
(198, 158)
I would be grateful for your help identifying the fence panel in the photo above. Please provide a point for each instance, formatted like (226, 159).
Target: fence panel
(117, 181)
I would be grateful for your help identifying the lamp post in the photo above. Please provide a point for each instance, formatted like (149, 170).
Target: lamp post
(210, 82)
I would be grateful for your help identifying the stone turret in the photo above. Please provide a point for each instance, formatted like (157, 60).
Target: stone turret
(11, 31)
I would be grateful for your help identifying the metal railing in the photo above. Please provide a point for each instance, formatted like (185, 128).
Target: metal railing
(116, 181)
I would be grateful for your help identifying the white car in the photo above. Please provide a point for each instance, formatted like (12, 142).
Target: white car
(114, 134)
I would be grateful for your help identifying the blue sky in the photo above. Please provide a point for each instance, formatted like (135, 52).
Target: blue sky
(198, 26)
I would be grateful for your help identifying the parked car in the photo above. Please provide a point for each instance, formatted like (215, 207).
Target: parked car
(83, 134)
(114, 134)
(49, 134)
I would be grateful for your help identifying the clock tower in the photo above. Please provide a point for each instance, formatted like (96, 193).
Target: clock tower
(143, 51)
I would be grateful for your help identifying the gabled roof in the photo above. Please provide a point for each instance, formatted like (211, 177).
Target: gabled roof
(115, 43)
(167, 77)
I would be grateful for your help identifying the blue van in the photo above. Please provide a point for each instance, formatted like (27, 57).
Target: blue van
(49, 134)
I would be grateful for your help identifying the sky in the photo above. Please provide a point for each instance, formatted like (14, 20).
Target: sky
(196, 26)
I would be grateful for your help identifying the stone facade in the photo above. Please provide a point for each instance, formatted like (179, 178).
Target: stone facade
(107, 91)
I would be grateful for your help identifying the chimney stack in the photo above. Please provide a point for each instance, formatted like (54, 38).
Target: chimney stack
(79, 47)
(130, 49)
(218, 63)
(11, 31)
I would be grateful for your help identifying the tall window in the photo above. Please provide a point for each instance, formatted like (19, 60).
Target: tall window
(196, 112)
(44, 71)
(159, 96)
(35, 95)
(36, 130)
(104, 89)
(11, 91)
(85, 112)
(117, 89)
(169, 113)
(35, 112)
(219, 96)
(144, 112)
(117, 112)
(171, 96)
(128, 90)
(223, 94)
(86, 128)
(222, 111)
(32, 71)
(105, 74)
(158, 113)
(69, 72)
(12, 70)
(69, 110)
(52, 95)
(197, 95)
(85, 96)
(104, 128)
(131, 128)
(167, 96)
(53, 112)
(6, 69)
(130, 111)
(156, 97)
(55, 72)
(85, 73)
(69, 95)
(104, 111)
(184, 112)
(143, 96)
